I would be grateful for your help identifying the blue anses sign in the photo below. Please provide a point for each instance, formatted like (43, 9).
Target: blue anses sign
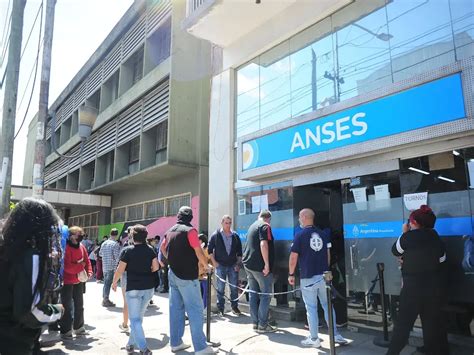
(426, 105)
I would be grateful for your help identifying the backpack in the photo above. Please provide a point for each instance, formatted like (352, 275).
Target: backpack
(468, 259)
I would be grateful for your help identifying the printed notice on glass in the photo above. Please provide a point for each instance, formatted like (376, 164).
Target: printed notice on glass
(360, 197)
(382, 197)
(259, 203)
(381, 192)
(242, 207)
(414, 201)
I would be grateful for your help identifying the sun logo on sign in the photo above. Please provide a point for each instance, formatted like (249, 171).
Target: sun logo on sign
(249, 155)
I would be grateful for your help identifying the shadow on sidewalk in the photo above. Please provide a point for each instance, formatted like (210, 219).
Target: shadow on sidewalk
(157, 344)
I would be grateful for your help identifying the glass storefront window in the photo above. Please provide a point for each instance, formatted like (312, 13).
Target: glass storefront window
(444, 178)
(358, 49)
(420, 47)
(312, 55)
(363, 51)
(248, 99)
(373, 215)
(462, 17)
(275, 85)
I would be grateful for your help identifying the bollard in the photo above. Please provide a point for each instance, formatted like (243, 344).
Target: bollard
(384, 341)
(208, 306)
(208, 312)
(328, 278)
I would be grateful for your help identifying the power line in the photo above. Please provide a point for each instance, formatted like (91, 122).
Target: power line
(34, 79)
(32, 28)
(5, 28)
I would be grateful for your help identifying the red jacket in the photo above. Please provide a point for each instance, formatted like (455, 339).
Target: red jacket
(71, 265)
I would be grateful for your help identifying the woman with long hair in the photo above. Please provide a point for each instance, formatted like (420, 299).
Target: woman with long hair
(29, 274)
(77, 270)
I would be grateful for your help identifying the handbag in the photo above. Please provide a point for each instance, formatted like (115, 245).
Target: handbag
(82, 275)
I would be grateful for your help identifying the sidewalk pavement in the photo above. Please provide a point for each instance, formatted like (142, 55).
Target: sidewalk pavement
(234, 333)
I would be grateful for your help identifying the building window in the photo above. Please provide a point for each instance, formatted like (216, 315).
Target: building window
(159, 44)
(118, 214)
(137, 66)
(135, 213)
(174, 203)
(155, 209)
(161, 141)
(133, 155)
(89, 222)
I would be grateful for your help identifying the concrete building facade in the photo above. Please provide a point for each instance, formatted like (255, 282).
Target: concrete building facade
(148, 150)
(361, 110)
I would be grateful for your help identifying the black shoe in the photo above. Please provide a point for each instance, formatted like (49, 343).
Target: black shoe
(164, 291)
(220, 312)
(236, 311)
(266, 329)
(108, 303)
(255, 326)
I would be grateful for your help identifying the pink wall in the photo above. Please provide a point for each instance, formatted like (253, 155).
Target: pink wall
(161, 225)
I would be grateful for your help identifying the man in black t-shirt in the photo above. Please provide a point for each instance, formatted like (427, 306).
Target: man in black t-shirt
(258, 259)
(140, 262)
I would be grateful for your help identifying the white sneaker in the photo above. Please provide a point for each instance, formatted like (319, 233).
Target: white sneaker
(308, 342)
(180, 347)
(339, 339)
(204, 351)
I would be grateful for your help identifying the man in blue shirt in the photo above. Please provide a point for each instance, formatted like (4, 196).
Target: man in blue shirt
(311, 248)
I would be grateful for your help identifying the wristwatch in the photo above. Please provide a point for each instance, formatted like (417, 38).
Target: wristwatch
(291, 275)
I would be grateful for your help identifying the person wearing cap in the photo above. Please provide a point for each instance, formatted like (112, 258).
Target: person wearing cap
(182, 248)
(110, 254)
(422, 252)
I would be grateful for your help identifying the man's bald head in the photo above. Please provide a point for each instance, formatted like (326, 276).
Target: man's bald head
(306, 216)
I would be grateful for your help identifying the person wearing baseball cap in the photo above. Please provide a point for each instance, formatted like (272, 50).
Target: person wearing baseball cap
(182, 247)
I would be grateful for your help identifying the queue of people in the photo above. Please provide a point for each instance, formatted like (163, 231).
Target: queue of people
(31, 242)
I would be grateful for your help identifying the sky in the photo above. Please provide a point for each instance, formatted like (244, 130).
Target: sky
(80, 26)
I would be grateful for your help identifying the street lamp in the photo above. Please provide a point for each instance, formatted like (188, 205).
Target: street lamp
(382, 36)
(87, 118)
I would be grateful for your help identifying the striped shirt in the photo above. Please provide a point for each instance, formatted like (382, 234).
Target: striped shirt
(110, 254)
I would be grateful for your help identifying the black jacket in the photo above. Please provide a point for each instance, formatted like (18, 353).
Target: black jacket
(422, 250)
(217, 248)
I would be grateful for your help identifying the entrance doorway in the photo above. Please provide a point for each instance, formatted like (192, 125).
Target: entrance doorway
(325, 200)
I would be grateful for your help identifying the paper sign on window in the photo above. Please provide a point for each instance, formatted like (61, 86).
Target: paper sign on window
(414, 201)
(360, 197)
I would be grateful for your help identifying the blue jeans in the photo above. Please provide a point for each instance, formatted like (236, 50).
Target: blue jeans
(108, 278)
(310, 298)
(185, 296)
(137, 301)
(259, 304)
(229, 273)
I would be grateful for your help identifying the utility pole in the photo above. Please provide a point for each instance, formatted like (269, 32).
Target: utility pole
(39, 162)
(9, 104)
